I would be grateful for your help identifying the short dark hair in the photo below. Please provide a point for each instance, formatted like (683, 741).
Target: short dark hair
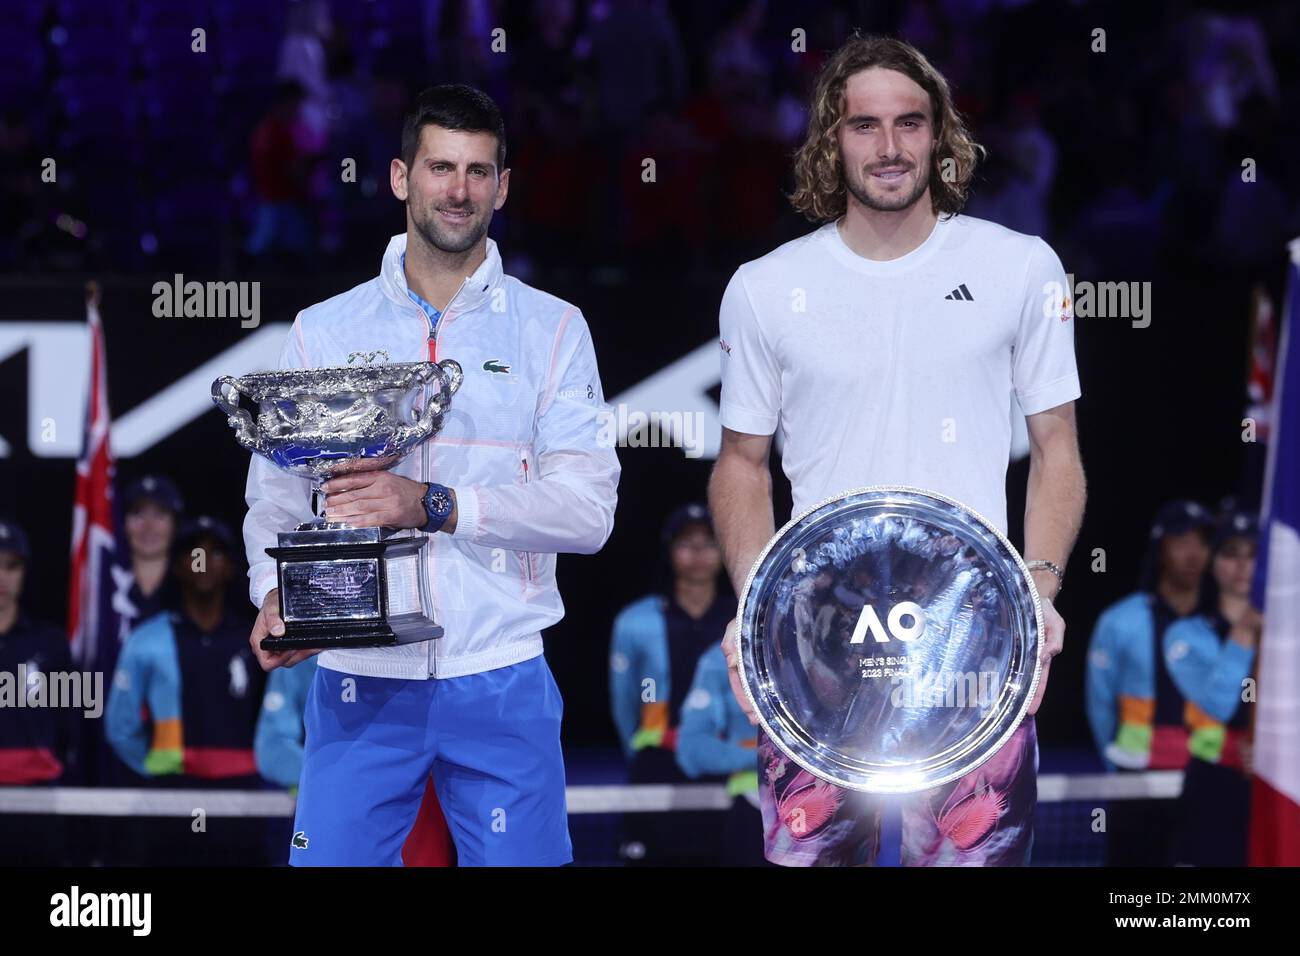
(453, 106)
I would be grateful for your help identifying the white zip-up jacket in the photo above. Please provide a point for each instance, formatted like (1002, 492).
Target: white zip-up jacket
(525, 446)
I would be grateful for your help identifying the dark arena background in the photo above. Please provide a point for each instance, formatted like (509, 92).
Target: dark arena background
(1150, 144)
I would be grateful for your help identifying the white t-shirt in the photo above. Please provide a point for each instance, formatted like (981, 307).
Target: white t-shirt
(898, 372)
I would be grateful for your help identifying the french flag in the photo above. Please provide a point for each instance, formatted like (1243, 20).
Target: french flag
(1275, 801)
(93, 537)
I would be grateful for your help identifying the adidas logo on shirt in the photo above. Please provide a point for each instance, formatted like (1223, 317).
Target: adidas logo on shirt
(961, 294)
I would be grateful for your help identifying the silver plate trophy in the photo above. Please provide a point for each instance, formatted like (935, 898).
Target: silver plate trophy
(342, 586)
(889, 639)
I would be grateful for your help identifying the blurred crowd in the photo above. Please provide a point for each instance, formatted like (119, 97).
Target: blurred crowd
(646, 133)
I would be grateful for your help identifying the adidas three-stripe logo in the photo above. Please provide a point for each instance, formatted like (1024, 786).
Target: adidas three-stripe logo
(961, 293)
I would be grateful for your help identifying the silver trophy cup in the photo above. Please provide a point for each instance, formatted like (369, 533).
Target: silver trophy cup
(342, 586)
(889, 639)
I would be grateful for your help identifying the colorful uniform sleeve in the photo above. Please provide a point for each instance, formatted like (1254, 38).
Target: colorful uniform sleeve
(705, 742)
(624, 688)
(278, 742)
(1208, 671)
(146, 689)
(1105, 658)
(639, 677)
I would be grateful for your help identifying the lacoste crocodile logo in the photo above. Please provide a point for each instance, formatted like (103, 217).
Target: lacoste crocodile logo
(494, 365)
(299, 841)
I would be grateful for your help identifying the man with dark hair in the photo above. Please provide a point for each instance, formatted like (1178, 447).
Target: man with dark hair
(887, 345)
(453, 106)
(518, 473)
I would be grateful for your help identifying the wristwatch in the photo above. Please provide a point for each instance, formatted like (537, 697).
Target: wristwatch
(437, 506)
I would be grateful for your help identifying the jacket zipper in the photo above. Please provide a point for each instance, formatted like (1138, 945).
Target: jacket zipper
(434, 326)
(428, 470)
(428, 476)
(428, 451)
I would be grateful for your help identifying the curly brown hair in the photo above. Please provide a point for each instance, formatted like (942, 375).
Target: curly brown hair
(820, 193)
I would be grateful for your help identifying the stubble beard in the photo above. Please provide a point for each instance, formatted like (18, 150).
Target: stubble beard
(443, 241)
(858, 189)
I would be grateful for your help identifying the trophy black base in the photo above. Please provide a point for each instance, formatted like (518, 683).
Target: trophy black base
(342, 635)
(351, 587)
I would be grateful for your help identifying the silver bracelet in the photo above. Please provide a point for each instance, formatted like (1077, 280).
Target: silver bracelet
(1042, 565)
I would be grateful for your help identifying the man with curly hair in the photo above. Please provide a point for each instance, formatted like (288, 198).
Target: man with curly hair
(887, 345)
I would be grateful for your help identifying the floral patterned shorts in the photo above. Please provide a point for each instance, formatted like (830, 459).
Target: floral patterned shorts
(985, 818)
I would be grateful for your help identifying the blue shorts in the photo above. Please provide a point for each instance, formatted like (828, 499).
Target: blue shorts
(490, 740)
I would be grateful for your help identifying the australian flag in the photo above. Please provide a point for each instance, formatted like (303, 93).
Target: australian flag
(93, 538)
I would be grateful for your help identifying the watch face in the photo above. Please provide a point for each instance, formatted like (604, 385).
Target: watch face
(440, 501)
